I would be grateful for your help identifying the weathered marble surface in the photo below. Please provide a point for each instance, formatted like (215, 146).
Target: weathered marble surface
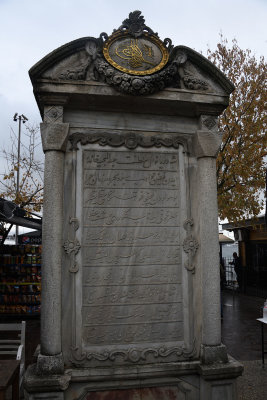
(131, 288)
(131, 258)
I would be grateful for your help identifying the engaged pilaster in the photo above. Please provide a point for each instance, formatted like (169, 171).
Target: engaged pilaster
(54, 139)
(207, 143)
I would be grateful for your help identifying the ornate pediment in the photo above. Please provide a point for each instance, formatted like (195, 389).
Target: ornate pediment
(133, 60)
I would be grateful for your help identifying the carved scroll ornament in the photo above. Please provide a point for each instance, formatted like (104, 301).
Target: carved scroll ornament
(132, 355)
(129, 140)
(73, 246)
(190, 245)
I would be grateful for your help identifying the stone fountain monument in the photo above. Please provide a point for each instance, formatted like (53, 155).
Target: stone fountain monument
(130, 285)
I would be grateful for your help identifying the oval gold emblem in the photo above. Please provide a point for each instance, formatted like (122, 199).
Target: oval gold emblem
(136, 56)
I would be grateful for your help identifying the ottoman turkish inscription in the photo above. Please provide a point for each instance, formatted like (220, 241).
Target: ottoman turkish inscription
(131, 254)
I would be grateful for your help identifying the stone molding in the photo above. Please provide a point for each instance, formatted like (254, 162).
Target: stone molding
(207, 143)
(54, 136)
(221, 370)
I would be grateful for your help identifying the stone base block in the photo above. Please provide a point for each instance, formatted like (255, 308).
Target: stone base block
(38, 386)
(39, 396)
(50, 365)
(180, 391)
(213, 354)
(218, 380)
(215, 381)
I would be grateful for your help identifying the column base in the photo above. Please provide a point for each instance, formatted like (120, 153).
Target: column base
(38, 386)
(213, 354)
(50, 365)
(218, 380)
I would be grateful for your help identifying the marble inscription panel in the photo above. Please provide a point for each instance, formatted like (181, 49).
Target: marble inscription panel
(131, 251)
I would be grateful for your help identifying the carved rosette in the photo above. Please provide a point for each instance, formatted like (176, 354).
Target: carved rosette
(209, 122)
(53, 114)
(190, 245)
(72, 247)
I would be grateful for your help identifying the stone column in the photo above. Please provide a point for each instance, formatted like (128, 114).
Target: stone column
(207, 144)
(54, 139)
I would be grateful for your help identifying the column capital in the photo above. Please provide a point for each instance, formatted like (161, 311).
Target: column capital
(54, 136)
(207, 143)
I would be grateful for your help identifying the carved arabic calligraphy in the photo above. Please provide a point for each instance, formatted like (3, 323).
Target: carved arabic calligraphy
(134, 294)
(135, 54)
(133, 333)
(128, 235)
(131, 247)
(129, 255)
(131, 217)
(143, 198)
(138, 275)
(122, 178)
(143, 56)
(117, 314)
(134, 160)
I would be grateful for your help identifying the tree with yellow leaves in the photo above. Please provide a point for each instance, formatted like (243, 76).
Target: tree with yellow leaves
(30, 192)
(241, 162)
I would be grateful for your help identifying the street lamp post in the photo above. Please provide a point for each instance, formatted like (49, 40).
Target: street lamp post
(23, 119)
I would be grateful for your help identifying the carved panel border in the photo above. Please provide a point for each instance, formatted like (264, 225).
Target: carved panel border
(130, 140)
(82, 356)
(133, 354)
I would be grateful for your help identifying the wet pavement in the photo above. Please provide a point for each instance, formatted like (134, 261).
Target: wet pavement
(241, 333)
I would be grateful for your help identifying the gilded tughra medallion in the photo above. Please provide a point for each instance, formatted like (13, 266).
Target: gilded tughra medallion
(134, 51)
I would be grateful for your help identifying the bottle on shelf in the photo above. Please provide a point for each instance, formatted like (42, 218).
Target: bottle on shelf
(20, 279)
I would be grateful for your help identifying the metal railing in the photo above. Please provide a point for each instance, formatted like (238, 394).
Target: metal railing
(254, 279)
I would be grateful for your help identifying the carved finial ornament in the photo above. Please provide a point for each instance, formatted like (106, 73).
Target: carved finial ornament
(135, 24)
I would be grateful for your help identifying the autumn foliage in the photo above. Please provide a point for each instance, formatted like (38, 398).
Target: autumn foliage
(241, 162)
(30, 193)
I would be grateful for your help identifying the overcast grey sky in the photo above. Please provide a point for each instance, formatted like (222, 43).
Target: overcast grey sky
(30, 29)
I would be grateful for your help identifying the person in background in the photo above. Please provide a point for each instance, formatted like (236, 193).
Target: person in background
(222, 282)
(238, 269)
